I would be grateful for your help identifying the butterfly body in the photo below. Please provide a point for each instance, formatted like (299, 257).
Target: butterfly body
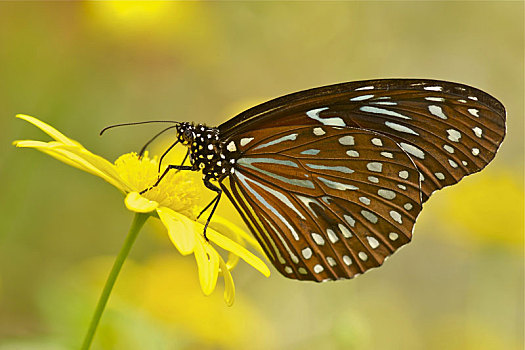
(331, 180)
(206, 152)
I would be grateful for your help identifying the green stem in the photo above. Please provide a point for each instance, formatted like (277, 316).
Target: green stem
(138, 222)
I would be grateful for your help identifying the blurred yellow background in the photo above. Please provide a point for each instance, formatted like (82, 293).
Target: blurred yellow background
(83, 66)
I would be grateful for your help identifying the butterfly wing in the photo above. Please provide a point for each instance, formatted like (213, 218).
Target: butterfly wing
(324, 202)
(449, 130)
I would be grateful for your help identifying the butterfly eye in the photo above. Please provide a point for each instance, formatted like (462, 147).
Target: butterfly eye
(187, 136)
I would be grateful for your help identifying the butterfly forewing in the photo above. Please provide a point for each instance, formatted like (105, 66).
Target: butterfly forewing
(449, 130)
(325, 202)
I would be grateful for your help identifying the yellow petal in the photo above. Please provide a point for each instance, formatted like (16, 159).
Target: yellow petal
(79, 158)
(84, 161)
(243, 253)
(233, 260)
(135, 202)
(48, 148)
(229, 287)
(54, 133)
(181, 230)
(208, 264)
(230, 226)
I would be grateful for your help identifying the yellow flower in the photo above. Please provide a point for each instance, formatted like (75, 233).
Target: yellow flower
(173, 201)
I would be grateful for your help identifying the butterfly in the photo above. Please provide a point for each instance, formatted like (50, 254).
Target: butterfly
(331, 180)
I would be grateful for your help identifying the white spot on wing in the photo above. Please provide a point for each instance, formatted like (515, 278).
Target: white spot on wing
(319, 132)
(475, 151)
(400, 128)
(393, 236)
(290, 137)
(373, 179)
(332, 236)
(453, 135)
(433, 88)
(403, 174)
(435, 99)
(437, 111)
(307, 253)
(377, 142)
(352, 153)
(372, 242)
(383, 111)
(318, 239)
(369, 216)
(387, 194)
(341, 169)
(337, 185)
(350, 220)
(474, 112)
(331, 261)
(396, 216)
(375, 166)
(346, 140)
(364, 200)
(347, 260)
(335, 121)
(385, 103)
(361, 98)
(364, 88)
(413, 150)
(448, 148)
(310, 152)
(362, 256)
(440, 176)
(245, 141)
(477, 131)
(345, 231)
(318, 268)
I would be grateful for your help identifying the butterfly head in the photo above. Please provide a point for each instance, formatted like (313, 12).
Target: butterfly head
(186, 133)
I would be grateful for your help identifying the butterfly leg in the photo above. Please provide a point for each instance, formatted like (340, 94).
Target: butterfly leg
(215, 202)
(167, 151)
(170, 167)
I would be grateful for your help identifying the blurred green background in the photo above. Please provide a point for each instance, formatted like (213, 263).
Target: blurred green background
(82, 66)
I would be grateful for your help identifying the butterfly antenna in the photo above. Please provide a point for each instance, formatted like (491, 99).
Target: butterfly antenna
(153, 139)
(136, 123)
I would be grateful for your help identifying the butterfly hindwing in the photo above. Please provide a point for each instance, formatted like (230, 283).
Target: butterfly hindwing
(325, 202)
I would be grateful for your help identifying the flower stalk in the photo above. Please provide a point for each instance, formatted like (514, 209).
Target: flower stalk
(138, 222)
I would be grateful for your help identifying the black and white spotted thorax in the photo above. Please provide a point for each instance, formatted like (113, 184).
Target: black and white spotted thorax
(207, 153)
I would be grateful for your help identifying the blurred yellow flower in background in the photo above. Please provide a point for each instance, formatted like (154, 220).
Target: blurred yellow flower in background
(155, 305)
(131, 23)
(173, 201)
(489, 209)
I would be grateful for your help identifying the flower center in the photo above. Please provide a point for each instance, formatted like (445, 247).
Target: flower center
(177, 190)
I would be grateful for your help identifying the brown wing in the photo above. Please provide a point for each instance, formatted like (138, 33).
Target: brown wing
(325, 202)
(449, 130)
